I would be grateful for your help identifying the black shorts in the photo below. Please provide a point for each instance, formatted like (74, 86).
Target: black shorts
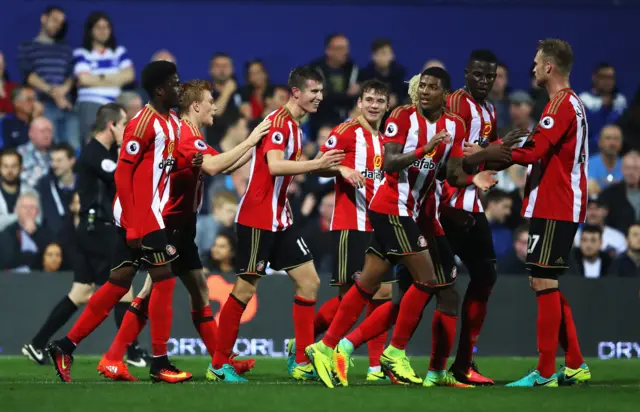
(283, 250)
(350, 247)
(188, 258)
(444, 263)
(155, 251)
(395, 236)
(92, 262)
(550, 243)
(472, 245)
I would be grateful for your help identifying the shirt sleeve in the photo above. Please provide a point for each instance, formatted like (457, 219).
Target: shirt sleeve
(124, 61)
(337, 141)
(276, 139)
(397, 127)
(555, 122)
(458, 140)
(81, 63)
(192, 145)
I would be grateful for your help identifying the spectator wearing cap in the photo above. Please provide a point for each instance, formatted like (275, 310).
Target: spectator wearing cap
(588, 260)
(628, 263)
(613, 240)
(605, 167)
(498, 95)
(604, 104)
(384, 67)
(623, 198)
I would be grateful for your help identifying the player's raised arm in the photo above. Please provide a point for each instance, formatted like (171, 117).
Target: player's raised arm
(222, 162)
(279, 166)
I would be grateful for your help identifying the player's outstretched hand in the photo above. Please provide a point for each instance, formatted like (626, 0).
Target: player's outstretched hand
(485, 180)
(197, 159)
(470, 148)
(514, 137)
(259, 132)
(442, 136)
(330, 159)
(498, 153)
(352, 176)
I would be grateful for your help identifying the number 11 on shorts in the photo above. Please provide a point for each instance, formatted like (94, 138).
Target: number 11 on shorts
(533, 241)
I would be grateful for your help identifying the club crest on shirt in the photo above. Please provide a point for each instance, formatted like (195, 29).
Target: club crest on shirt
(377, 161)
(547, 122)
(392, 129)
(133, 148)
(331, 142)
(200, 145)
(422, 242)
(172, 145)
(277, 138)
(486, 130)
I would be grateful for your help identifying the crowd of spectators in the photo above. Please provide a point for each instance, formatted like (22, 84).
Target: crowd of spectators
(47, 115)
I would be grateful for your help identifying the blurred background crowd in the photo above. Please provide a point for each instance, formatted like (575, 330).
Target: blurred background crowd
(47, 112)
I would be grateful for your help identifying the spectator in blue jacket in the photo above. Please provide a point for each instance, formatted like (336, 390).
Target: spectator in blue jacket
(57, 187)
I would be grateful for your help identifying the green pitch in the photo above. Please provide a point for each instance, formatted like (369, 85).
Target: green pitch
(25, 386)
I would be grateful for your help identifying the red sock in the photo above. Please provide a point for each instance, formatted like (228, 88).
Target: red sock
(206, 326)
(325, 315)
(379, 322)
(132, 324)
(443, 333)
(350, 309)
(569, 336)
(303, 312)
(229, 325)
(474, 311)
(161, 315)
(548, 325)
(376, 345)
(411, 307)
(97, 310)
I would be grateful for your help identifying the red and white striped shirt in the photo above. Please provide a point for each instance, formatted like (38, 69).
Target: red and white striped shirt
(556, 185)
(429, 218)
(187, 184)
(148, 144)
(363, 152)
(481, 123)
(264, 204)
(402, 193)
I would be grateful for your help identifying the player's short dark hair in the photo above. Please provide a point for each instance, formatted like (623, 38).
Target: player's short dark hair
(110, 112)
(376, 86)
(329, 38)
(523, 228)
(483, 55)
(64, 147)
(559, 51)
(11, 151)
(155, 74)
(497, 195)
(602, 65)
(299, 76)
(587, 228)
(440, 73)
(379, 44)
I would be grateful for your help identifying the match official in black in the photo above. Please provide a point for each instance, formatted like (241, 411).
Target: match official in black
(94, 234)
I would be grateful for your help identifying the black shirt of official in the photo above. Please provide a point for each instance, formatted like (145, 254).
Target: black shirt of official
(96, 186)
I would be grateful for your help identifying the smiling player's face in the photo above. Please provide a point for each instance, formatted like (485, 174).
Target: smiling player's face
(311, 96)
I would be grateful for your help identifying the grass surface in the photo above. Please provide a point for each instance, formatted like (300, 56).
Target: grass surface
(25, 386)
